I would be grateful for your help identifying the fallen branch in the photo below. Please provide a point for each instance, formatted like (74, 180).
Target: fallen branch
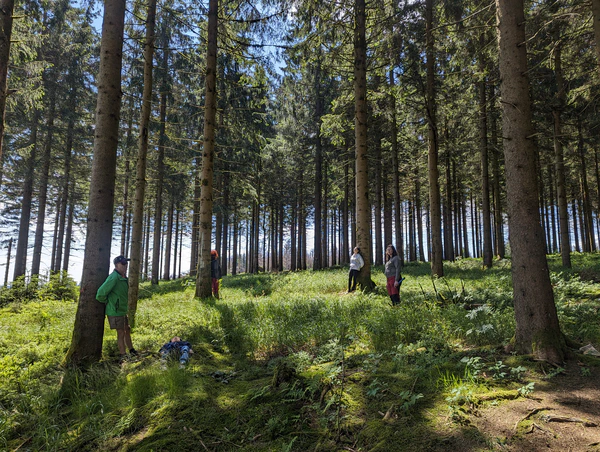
(531, 413)
(585, 423)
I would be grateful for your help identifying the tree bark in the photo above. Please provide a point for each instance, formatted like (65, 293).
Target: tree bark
(6, 20)
(160, 166)
(43, 182)
(203, 279)
(437, 268)
(596, 19)
(10, 244)
(395, 170)
(363, 208)
(537, 327)
(137, 234)
(498, 220)
(23, 239)
(485, 177)
(86, 343)
(169, 242)
(318, 232)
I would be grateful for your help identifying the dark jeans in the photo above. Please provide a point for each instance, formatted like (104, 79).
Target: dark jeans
(352, 276)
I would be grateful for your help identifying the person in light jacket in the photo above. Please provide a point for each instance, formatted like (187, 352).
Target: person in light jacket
(392, 273)
(356, 263)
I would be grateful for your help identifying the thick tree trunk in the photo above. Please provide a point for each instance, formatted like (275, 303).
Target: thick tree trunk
(86, 343)
(203, 280)
(437, 268)
(537, 329)
(363, 208)
(6, 20)
(137, 234)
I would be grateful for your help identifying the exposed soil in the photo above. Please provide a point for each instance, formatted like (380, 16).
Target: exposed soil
(562, 414)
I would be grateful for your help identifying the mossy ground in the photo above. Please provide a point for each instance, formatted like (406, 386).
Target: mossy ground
(287, 362)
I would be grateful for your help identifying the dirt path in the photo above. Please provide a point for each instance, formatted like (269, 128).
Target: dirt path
(563, 414)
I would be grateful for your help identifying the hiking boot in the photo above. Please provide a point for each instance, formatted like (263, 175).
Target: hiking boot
(133, 352)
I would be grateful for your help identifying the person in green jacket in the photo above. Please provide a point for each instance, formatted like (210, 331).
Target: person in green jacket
(114, 293)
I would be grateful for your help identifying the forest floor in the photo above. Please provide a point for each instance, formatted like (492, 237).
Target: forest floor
(562, 414)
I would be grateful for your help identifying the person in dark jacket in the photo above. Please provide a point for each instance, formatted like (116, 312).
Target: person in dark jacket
(215, 272)
(114, 294)
(392, 273)
(176, 349)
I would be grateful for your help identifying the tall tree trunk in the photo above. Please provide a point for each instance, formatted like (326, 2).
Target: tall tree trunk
(9, 251)
(23, 239)
(69, 231)
(169, 242)
(324, 234)
(378, 204)
(127, 176)
(225, 242)
(596, 19)
(160, 175)
(363, 208)
(587, 207)
(437, 268)
(137, 234)
(65, 194)
(395, 170)
(234, 258)
(86, 343)
(561, 189)
(448, 239)
(55, 233)
(485, 178)
(196, 219)
(537, 328)
(176, 246)
(345, 255)
(498, 219)
(43, 183)
(419, 218)
(6, 20)
(203, 279)
(412, 247)
(318, 229)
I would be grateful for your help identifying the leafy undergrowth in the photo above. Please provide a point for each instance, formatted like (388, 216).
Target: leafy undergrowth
(285, 362)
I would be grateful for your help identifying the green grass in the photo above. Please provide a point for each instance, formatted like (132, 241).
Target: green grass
(285, 361)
